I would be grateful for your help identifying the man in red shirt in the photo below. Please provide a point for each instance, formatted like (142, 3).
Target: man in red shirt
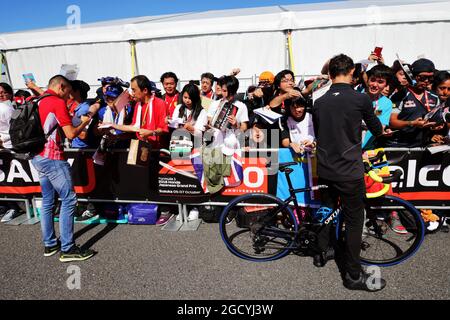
(150, 112)
(149, 123)
(207, 81)
(172, 98)
(54, 172)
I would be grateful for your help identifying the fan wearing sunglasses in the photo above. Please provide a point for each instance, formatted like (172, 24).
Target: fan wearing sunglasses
(411, 108)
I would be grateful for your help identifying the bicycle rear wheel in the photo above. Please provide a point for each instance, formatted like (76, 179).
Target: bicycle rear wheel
(383, 246)
(258, 227)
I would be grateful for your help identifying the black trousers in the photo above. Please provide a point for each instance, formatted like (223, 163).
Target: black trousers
(351, 196)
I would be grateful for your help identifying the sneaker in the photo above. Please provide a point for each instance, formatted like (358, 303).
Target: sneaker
(3, 211)
(193, 214)
(365, 282)
(9, 215)
(432, 225)
(87, 215)
(321, 259)
(76, 254)
(163, 219)
(395, 224)
(50, 251)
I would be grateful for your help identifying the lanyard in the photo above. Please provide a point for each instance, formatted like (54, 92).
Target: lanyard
(186, 117)
(375, 105)
(144, 119)
(173, 99)
(427, 104)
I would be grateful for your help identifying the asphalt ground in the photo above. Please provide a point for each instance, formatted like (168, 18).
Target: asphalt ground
(144, 262)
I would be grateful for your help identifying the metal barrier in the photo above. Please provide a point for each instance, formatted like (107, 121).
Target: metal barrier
(415, 171)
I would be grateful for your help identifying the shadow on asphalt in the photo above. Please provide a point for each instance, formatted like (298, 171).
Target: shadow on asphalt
(107, 229)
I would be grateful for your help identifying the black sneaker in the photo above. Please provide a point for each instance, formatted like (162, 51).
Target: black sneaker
(50, 251)
(321, 259)
(76, 254)
(364, 282)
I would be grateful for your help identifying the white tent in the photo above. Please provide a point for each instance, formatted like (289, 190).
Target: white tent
(217, 41)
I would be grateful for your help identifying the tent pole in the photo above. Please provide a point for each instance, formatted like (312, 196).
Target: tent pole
(4, 62)
(133, 58)
(290, 51)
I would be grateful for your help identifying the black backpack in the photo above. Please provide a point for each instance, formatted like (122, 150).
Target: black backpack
(25, 130)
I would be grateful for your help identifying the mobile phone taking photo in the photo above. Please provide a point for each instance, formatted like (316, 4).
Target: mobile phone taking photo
(377, 51)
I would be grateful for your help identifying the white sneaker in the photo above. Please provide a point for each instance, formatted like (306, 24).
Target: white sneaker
(433, 225)
(9, 215)
(88, 215)
(193, 214)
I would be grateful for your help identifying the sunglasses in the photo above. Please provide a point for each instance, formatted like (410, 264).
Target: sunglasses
(424, 78)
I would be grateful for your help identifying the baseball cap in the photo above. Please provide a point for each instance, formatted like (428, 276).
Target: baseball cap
(267, 76)
(422, 65)
(114, 81)
(113, 91)
(153, 87)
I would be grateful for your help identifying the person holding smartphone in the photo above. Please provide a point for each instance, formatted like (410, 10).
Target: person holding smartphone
(412, 104)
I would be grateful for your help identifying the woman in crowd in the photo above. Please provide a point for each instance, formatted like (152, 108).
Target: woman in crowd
(299, 130)
(190, 115)
(441, 86)
(239, 120)
(9, 210)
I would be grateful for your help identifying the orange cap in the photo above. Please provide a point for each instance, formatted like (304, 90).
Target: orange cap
(267, 76)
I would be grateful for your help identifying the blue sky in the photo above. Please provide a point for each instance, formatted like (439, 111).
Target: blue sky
(26, 15)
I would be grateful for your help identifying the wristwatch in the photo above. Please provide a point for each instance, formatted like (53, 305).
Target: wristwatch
(410, 124)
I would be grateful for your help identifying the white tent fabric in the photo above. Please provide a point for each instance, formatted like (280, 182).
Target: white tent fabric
(93, 60)
(251, 39)
(313, 47)
(189, 57)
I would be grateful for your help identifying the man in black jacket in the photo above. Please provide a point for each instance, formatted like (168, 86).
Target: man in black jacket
(338, 117)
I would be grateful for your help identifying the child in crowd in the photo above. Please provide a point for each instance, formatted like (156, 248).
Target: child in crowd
(299, 129)
(379, 77)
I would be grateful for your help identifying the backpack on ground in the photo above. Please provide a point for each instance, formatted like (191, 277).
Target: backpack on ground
(26, 132)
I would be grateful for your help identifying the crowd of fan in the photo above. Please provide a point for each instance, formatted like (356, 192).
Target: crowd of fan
(401, 100)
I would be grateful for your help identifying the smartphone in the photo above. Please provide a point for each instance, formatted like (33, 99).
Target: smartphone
(27, 77)
(377, 51)
(392, 132)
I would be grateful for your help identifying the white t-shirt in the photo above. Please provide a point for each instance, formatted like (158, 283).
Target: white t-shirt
(199, 124)
(301, 131)
(6, 110)
(241, 115)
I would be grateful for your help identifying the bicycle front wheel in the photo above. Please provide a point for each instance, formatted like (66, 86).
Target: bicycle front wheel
(393, 231)
(258, 227)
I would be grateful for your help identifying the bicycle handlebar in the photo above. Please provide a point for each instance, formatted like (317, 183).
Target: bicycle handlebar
(378, 157)
(370, 166)
(282, 165)
(385, 180)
